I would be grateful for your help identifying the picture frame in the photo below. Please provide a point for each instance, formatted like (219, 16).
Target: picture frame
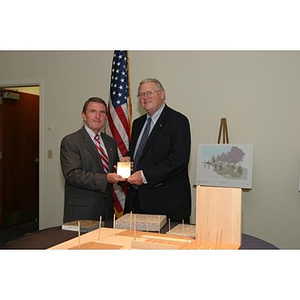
(225, 165)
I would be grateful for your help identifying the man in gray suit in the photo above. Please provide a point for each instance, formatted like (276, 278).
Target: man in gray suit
(88, 166)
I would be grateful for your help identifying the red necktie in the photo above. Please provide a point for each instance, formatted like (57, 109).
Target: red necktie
(103, 156)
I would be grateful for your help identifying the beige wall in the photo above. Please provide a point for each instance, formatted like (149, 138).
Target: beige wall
(258, 92)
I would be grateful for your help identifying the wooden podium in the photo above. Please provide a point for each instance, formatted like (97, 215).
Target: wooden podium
(219, 210)
(218, 215)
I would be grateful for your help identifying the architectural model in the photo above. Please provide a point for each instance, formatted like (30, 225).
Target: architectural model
(187, 230)
(218, 226)
(143, 222)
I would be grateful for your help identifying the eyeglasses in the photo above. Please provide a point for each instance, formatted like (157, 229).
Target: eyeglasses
(147, 94)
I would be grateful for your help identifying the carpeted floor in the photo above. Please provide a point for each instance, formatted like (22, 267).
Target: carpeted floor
(11, 233)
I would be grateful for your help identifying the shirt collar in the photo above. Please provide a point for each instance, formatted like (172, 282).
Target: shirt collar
(157, 114)
(91, 132)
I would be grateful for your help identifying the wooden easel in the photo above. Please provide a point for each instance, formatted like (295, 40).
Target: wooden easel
(224, 130)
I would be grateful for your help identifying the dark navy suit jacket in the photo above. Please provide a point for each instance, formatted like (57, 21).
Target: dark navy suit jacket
(164, 162)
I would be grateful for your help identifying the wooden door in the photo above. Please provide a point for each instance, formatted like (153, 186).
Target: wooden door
(19, 158)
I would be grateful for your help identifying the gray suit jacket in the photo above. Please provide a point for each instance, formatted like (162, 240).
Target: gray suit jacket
(88, 195)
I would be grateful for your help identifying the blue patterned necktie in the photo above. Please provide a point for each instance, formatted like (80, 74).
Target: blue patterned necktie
(142, 144)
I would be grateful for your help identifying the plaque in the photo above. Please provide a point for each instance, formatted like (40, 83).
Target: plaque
(124, 169)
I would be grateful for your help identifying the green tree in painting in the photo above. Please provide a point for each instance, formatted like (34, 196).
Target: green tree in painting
(227, 162)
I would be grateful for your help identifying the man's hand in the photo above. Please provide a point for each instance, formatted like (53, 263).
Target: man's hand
(125, 159)
(136, 178)
(114, 178)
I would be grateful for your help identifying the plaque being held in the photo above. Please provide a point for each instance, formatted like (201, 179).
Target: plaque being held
(124, 169)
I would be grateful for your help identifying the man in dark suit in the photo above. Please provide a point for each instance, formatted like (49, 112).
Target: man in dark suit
(89, 180)
(160, 182)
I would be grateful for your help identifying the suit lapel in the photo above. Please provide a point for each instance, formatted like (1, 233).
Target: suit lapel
(109, 150)
(156, 129)
(90, 146)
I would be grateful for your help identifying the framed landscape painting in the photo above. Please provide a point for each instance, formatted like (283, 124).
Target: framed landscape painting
(225, 165)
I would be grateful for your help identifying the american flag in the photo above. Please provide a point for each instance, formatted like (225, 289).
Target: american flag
(120, 116)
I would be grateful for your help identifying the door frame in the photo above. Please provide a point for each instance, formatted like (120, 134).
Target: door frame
(39, 82)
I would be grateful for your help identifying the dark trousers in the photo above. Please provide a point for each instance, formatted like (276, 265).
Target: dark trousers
(132, 203)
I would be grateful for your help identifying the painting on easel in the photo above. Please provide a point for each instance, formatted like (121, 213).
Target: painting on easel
(225, 165)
